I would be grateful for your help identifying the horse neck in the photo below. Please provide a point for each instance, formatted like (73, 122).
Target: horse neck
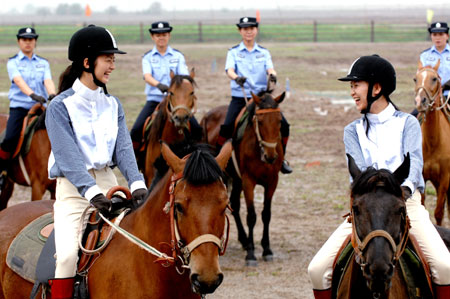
(431, 126)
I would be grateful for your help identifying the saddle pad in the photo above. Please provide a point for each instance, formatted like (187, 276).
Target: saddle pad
(241, 126)
(24, 251)
(410, 265)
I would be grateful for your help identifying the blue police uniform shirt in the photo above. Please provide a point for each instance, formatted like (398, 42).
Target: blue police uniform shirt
(250, 64)
(159, 66)
(432, 55)
(33, 71)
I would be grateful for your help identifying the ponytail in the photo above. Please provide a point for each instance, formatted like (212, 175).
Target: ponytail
(70, 74)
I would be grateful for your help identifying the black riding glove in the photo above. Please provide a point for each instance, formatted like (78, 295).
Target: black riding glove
(138, 197)
(406, 192)
(50, 97)
(240, 81)
(163, 87)
(37, 98)
(273, 78)
(101, 203)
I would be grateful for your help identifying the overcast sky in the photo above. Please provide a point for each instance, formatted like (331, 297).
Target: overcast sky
(138, 5)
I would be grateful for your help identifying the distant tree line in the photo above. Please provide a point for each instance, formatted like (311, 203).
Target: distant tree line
(155, 8)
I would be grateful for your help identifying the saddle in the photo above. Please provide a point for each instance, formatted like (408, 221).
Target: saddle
(415, 269)
(146, 128)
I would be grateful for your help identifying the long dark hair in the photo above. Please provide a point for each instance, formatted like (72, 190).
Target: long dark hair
(70, 74)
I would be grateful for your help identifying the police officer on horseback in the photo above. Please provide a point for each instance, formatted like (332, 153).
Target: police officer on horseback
(31, 83)
(248, 65)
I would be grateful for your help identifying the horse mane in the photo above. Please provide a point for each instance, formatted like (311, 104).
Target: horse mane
(201, 166)
(178, 79)
(40, 123)
(372, 179)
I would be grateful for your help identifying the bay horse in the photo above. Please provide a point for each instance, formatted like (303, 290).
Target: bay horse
(258, 157)
(171, 123)
(184, 216)
(378, 215)
(30, 169)
(435, 134)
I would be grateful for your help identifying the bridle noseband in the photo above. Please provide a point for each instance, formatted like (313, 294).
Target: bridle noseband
(431, 97)
(181, 252)
(171, 110)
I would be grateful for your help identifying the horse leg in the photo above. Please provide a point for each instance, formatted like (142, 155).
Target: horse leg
(6, 193)
(37, 190)
(249, 187)
(440, 204)
(235, 199)
(266, 215)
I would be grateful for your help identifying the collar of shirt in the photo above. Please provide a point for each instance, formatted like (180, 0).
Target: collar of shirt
(242, 47)
(169, 51)
(383, 116)
(21, 56)
(85, 92)
(446, 49)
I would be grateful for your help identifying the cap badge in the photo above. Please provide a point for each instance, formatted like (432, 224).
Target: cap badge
(160, 25)
(438, 25)
(28, 30)
(245, 20)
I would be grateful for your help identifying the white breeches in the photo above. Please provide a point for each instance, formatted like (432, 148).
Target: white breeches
(67, 210)
(320, 269)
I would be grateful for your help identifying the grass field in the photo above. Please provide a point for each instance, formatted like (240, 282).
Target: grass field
(307, 32)
(309, 203)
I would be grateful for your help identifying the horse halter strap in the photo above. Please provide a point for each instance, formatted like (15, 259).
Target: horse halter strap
(258, 134)
(359, 247)
(172, 109)
(177, 244)
(431, 97)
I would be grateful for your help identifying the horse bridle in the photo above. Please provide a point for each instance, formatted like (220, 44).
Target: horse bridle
(360, 246)
(431, 98)
(171, 110)
(177, 244)
(261, 142)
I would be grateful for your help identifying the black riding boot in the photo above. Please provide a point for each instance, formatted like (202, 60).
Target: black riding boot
(225, 133)
(285, 167)
(4, 159)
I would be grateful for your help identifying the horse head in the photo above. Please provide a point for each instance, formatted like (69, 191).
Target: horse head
(267, 123)
(181, 100)
(428, 87)
(199, 203)
(379, 219)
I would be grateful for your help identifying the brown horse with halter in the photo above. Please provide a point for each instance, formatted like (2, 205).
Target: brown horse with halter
(435, 126)
(257, 159)
(184, 217)
(30, 169)
(170, 124)
(379, 236)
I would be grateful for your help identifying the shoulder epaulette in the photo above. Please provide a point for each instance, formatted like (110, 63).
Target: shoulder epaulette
(42, 57)
(426, 49)
(147, 52)
(177, 50)
(235, 46)
(261, 47)
(13, 56)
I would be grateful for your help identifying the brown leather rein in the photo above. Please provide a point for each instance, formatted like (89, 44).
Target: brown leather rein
(181, 252)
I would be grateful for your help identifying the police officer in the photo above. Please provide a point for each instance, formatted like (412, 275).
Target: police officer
(31, 82)
(248, 65)
(88, 134)
(156, 67)
(439, 51)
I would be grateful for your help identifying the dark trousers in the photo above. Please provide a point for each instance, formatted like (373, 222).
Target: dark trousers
(236, 105)
(13, 128)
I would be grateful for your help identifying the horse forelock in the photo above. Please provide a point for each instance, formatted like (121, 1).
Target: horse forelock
(177, 80)
(201, 167)
(372, 180)
(267, 102)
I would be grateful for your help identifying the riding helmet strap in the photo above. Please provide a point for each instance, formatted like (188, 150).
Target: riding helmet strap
(91, 70)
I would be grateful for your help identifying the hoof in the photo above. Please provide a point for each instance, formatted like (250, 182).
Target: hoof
(268, 258)
(251, 263)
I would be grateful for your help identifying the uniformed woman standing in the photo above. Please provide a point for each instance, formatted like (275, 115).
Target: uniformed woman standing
(156, 67)
(88, 135)
(248, 65)
(31, 82)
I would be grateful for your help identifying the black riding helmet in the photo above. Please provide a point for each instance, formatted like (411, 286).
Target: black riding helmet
(91, 42)
(373, 69)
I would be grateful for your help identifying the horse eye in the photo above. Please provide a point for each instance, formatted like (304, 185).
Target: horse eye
(355, 210)
(415, 80)
(434, 79)
(178, 208)
(401, 211)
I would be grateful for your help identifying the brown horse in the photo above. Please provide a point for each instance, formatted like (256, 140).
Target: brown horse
(378, 214)
(171, 123)
(191, 200)
(258, 157)
(31, 169)
(435, 133)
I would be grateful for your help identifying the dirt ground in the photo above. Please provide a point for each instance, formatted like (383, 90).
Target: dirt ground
(309, 203)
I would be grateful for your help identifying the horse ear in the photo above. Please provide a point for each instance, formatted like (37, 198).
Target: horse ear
(280, 98)
(224, 155)
(256, 99)
(172, 74)
(419, 65)
(172, 160)
(352, 167)
(436, 66)
(192, 73)
(402, 172)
